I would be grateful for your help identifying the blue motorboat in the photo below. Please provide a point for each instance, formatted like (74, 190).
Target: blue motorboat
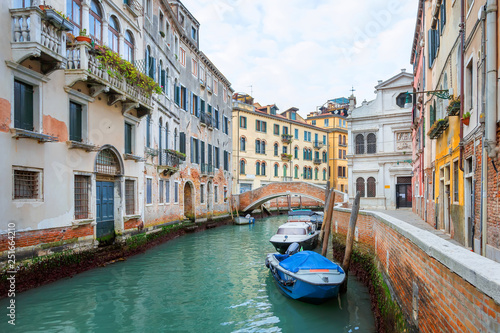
(305, 276)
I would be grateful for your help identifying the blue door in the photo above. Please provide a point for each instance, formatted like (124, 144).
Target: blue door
(105, 209)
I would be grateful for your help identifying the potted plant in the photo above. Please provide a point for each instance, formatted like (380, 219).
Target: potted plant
(162, 34)
(466, 118)
(83, 36)
(454, 107)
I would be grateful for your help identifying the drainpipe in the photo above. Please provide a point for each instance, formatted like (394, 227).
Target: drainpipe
(462, 89)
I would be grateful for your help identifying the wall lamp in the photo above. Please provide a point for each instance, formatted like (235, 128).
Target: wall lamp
(442, 94)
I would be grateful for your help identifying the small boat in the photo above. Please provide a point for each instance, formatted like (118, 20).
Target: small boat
(240, 220)
(304, 233)
(306, 215)
(306, 276)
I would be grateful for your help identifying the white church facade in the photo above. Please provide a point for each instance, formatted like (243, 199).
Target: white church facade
(380, 150)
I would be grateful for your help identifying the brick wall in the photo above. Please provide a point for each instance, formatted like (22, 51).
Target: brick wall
(43, 236)
(439, 286)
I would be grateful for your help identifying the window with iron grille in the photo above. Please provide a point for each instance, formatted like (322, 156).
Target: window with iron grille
(160, 191)
(216, 193)
(107, 163)
(455, 181)
(167, 191)
(360, 186)
(129, 196)
(360, 144)
(202, 193)
(371, 187)
(404, 180)
(82, 191)
(149, 191)
(371, 140)
(27, 184)
(176, 192)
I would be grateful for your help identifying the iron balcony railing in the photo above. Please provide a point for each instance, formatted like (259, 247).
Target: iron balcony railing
(317, 161)
(206, 118)
(318, 144)
(167, 158)
(207, 169)
(286, 138)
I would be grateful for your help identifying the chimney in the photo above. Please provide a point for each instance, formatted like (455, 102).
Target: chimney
(403, 70)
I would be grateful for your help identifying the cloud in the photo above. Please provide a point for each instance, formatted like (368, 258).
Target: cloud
(302, 53)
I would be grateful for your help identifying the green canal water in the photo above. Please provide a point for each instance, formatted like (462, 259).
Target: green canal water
(212, 281)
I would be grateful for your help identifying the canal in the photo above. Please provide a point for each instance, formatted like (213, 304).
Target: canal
(212, 281)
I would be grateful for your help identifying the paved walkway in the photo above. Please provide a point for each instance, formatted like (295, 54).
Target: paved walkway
(407, 215)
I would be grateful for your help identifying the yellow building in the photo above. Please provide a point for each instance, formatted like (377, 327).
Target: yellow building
(332, 116)
(269, 146)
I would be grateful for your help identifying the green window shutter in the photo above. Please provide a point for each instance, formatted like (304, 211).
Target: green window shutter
(128, 138)
(23, 106)
(75, 122)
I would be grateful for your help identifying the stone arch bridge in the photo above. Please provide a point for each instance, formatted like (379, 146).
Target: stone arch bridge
(248, 201)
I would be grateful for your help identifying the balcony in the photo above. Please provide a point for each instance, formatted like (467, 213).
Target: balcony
(243, 106)
(134, 7)
(286, 157)
(207, 170)
(206, 119)
(342, 144)
(39, 35)
(286, 179)
(317, 161)
(168, 162)
(286, 138)
(85, 64)
(318, 144)
(438, 128)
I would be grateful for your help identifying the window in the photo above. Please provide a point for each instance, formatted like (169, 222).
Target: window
(149, 191)
(277, 129)
(226, 125)
(167, 191)
(129, 47)
(285, 170)
(324, 174)
(194, 33)
(293, 115)
(324, 139)
(183, 99)
(257, 169)
(194, 69)
(182, 57)
(128, 138)
(296, 152)
(216, 119)
(296, 173)
(371, 189)
(176, 192)
(371, 140)
(313, 122)
(243, 143)
(75, 122)
(260, 126)
(225, 193)
(216, 193)
(27, 184)
(276, 148)
(226, 160)
(23, 106)
(216, 87)
(217, 157)
(455, 181)
(360, 144)
(360, 186)
(113, 33)
(160, 191)
(276, 170)
(340, 153)
(433, 38)
(296, 134)
(285, 130)
(324, 157)
(242, 167)
(202, 193)
(202, 74)
(129, 197)
(316, 173)
(82, 197)
(263, 169)
(195, 150)
(74, 13)
(95, 21)
(401, 99)
(243, 122)
(327, 122)
(285, 150)
(257, 146)
(469, 89)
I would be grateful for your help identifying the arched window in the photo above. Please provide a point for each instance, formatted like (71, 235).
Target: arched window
(324, 174)
(360, 144)
(324, 157)
(304, 174)
(371, 189)
(257, 146)
(296, 172)
(296, 151)
(305, 154)
(310, 173)
(263, 169)
(276, 149)
(316, 155)
(285, 170)
(113, 33)
(243, 143)
(316, 171)
(74, 13)
(262, 147)
(310, 154)
(129, 47)
(371, 141)
(257, 169)
(95, 21)
(242, 167)
(276, 170)
(360, 186)
(107, 163)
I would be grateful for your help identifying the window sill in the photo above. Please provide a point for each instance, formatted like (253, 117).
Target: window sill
(131, 217)
(133, 158)
(88, 147)
(18, 133)
(77, 223)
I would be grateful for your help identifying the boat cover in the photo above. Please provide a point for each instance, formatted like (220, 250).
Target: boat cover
(307, 260)
(301, 212)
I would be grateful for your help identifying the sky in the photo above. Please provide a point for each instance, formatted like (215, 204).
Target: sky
(296, 53)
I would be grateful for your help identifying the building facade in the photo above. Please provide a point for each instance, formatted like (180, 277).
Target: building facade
(379, 148)
(332, 116)
(275, 147)
(107, 132)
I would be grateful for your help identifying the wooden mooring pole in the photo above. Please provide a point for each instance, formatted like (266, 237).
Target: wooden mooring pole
(350, 239)
(327, 222)
(231, 208)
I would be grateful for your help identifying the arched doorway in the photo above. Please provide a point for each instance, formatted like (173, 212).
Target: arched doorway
(188, 201)
(109, 169)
